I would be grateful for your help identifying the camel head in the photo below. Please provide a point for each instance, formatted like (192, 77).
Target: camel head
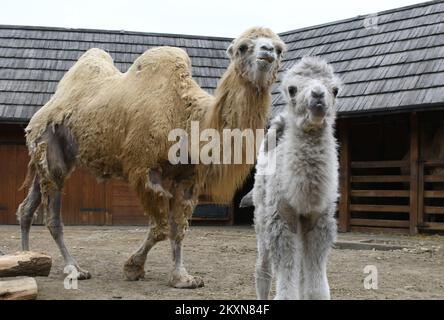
(256, 55)
(310, 88)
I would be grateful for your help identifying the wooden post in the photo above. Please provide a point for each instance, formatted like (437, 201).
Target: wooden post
(414, 160)
(344, 177)
(420, 192)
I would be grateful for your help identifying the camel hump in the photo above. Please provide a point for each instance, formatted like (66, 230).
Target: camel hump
(162, 57)
(94, 63)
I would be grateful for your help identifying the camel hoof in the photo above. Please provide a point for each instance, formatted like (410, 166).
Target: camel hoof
(84, 275)
(133, 272)
(77, 273)
(185, 281)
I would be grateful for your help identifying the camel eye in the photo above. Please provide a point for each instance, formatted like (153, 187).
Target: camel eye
(292, 90)
(335, 91)
(243, 48)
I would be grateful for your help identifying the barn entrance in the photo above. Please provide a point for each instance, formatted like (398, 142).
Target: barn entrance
(392, 173)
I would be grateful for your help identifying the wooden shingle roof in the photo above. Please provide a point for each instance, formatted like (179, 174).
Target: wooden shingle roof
(397, 65)
(34, 59)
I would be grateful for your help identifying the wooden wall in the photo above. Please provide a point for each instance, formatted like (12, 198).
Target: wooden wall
(385, 179)
(85, 201)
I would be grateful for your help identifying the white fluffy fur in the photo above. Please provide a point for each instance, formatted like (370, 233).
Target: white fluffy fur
(294, 208)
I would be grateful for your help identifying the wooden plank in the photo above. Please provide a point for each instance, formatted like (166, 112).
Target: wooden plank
(433, 194)
(378, 164)
(380, 223)
(433, 178)
(344, 177)
(380, 193)
(391, 178)
(414, 157)
(379, 230)
(432, 226)
(434, 163)
(378, 208)
(433, 210)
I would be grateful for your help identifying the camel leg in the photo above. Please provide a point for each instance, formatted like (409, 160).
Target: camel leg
(182, 206)
(55, 227)
(134, 268)
(263, 272)
(287, 266)
(317, 242)
(26, 211)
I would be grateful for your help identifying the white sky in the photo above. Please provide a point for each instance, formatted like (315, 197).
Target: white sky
(225, 18)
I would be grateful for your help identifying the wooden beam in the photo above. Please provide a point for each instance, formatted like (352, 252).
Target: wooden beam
(344, 177)
(381, 193)
(380, 223)
(433, 210)
(433, 194)
(432, 178)
(378, 164)
(391, 178)
(378, 208)
(434, 163)
(379, 230)
(432, 226)
(414, 157)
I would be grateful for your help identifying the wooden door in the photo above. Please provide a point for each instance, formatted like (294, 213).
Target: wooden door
(124, 205)
(83, 200)
(13, 165)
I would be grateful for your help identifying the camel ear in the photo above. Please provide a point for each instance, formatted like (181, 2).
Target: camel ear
(230, 51)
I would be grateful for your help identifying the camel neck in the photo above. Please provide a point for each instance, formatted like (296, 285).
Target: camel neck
(238, 103)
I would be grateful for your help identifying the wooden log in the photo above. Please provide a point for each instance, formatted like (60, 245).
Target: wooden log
(25, 264)
(18, 289)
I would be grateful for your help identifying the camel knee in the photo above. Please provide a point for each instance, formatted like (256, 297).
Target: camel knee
(55, 227)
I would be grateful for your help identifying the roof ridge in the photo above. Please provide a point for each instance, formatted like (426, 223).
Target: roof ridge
(106, 31)
(341, 21)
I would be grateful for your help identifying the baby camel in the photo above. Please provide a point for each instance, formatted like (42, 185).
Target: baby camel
(295, 206)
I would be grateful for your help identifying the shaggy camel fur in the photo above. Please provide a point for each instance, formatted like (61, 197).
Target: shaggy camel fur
(117, 125)
(295, 207)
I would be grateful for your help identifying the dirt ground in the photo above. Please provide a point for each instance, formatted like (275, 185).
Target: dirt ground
(225, 258)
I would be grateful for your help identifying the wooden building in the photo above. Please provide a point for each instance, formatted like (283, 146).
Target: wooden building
(392, 66)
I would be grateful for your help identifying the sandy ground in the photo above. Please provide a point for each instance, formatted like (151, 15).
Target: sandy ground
(225, 258)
